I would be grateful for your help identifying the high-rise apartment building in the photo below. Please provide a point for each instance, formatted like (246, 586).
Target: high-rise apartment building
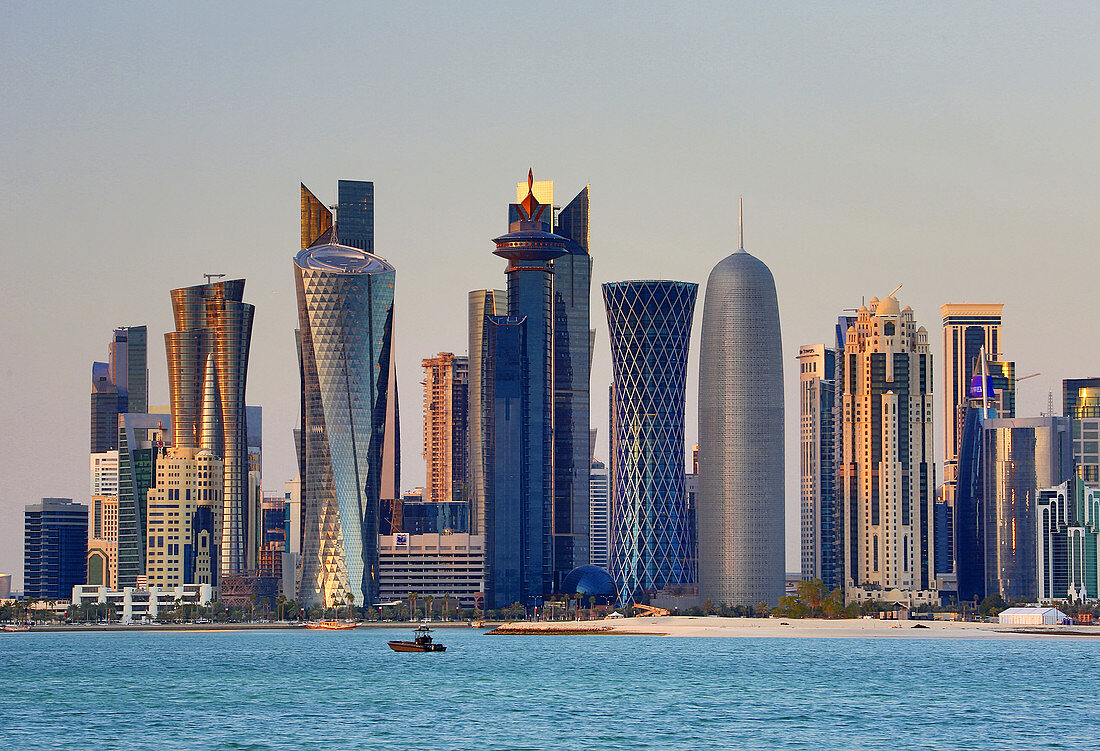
(599, 516)
(212, 338)
(649, 323)
(1081, 404)
(445, 384)
(740, 506)
(103, 540)
(141, 441)
(1067, 553)
(348, 443)
(1019, 457)
(55, 542)
(483, 303)
(183, 519)
(886, 472)
(817, 439)
(119, 385)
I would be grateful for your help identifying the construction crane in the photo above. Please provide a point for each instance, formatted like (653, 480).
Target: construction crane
(647, 610)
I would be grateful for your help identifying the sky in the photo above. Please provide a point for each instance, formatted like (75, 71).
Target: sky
(947, 147)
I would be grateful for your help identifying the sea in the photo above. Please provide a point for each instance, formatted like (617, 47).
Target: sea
(296, 689)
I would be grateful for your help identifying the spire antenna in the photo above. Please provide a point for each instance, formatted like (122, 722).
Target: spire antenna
(741, 221)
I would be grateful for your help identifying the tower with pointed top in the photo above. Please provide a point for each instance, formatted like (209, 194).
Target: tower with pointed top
(740, 501)
(519, 503)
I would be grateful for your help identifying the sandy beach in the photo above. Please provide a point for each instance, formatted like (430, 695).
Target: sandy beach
(714, 626)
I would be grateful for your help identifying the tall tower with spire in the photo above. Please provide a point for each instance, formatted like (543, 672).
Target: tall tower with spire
(740, 501)
(519, 499)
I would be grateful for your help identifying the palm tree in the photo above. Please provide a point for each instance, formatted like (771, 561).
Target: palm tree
(429, 599)
(446, 603)
(350, 599)
(412, 605)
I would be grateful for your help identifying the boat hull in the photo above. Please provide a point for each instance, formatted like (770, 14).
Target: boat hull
(409, 646)
(331, 626)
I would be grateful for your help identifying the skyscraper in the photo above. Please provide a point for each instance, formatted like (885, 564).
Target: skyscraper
(119, 385)
(1067, 553)
(573, 341)
(1019, 457)
(740, 505)
(649, 323)
(55, 540)
(572, 379)
(141, 441)
(529, 247)
(348, 431)
(967, 328)
(599, 517)
(886, 473)
(214, 331)
(445, 417)
(1081, 404)
(817, 392)
(482, 304)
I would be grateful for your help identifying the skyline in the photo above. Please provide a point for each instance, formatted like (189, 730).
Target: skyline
(857, 137)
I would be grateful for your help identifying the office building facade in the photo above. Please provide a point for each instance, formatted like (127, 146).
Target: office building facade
(446, 382)
(142, 439)
(1019, 457)
(886, 471)
(211, 340)
(348, 430)
(448, 567)
(1081, 404)
(649, 323)
(482, 304)
(55, 543)
(740, 506)
(599, 516)
(817, 401)
(119, 385)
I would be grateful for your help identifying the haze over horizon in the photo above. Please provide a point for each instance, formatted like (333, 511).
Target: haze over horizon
(947, 148)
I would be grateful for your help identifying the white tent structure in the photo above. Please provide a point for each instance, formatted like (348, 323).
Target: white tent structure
(1032, 617)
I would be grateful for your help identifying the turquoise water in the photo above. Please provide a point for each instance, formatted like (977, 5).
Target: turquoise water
(307, 689)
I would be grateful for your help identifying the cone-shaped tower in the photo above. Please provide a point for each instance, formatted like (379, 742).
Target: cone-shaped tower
(740, 501)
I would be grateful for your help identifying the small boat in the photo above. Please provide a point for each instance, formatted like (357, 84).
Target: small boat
(332, 625)
(16, 627)
(422, 642)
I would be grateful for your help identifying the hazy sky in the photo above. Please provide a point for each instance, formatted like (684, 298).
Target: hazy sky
(141, 145)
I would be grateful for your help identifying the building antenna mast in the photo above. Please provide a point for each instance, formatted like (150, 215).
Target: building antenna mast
(741, 221)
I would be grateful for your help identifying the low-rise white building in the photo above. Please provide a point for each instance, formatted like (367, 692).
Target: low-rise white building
(134, 604)
(1032, 617)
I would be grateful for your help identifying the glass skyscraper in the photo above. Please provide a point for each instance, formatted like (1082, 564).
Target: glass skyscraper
(55, 543)
(1081, 404)
(529, 247)
(482, 304)
(119, 385)
(212, 319)
(649, 323)
(1019, 457)
(141, 441)
(572, 378)
(348, 431)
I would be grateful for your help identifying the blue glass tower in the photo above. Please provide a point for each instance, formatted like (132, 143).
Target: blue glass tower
(55, 542)
(649, 323)
(529, 248)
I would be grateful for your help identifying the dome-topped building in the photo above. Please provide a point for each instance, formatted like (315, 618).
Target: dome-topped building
(740, 502)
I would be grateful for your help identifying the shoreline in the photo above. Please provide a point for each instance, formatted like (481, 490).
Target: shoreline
(806, 628)
(210, 627)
